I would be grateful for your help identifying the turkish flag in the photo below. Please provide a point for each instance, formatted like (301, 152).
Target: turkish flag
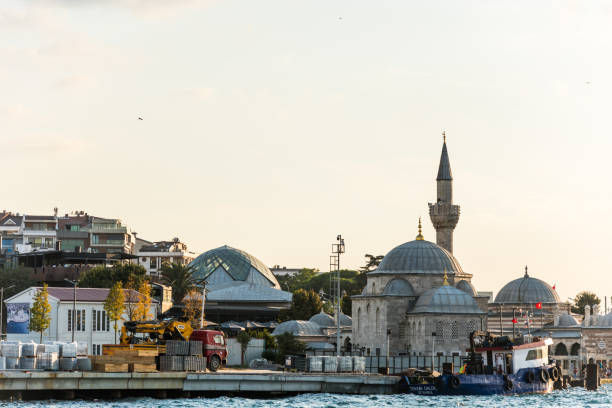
(539, 305)
(514, 321)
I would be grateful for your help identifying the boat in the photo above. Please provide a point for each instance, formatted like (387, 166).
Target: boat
(494, 365)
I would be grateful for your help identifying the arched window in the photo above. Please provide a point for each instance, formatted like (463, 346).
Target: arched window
(575, 349)
(413, 332)
(359, 324)
(560, 350)
(378, 322)
(373, 288)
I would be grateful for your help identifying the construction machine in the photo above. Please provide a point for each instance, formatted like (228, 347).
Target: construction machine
(156, 331)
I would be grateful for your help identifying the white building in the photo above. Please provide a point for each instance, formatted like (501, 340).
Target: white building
(152, 255)
(91, 325)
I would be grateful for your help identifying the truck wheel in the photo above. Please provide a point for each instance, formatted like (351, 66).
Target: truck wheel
(214, 363)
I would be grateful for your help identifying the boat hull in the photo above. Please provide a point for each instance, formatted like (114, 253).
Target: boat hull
(484, 384)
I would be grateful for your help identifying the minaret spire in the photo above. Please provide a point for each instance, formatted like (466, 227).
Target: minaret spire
(443, 213)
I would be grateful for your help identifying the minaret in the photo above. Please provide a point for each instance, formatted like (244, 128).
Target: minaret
(444, 215)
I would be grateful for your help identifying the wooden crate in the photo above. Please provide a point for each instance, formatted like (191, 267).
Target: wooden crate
(142, 368)
(118, 359)
(136, 353)
(111, 368)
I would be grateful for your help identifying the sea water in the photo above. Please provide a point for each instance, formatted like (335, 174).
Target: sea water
(574, 397)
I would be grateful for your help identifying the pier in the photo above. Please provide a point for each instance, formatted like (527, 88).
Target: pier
(68, 385)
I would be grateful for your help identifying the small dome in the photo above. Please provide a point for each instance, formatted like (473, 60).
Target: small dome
(604, 321)
(467, 287)
(298, 328)
(323, 320)
(566, 320)
(527, 290)
(419, 257)
(446, 299)
(345, 320)
(227, 264)
(327, 321)
(398, 287)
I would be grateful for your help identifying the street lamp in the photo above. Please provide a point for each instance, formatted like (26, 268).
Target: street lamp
(74, 285)
(2, 305)
(204, 283)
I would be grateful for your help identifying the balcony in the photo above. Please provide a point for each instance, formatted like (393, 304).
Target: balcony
(107, 230)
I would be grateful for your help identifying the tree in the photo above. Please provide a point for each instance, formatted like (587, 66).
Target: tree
(304, 305)
(347, 305)
(40, 313)
(288, 345)
(180, 278)
(103, 277)
(193, 307)
(243, 338)
(114, 305)
(582, 299)
(372, 263)
(142, 310)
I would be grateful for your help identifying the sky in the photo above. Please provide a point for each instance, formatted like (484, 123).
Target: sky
(273, 126)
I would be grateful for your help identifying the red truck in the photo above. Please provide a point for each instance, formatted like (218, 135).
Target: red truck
(213, 347)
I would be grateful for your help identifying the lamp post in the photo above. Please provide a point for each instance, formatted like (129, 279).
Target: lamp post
(204, 283)
(73, 323)
(433, 349)
(2, 306)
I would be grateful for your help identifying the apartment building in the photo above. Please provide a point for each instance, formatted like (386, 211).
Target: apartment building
(152, 255)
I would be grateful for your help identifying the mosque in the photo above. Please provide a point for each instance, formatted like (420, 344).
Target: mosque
(419, 298)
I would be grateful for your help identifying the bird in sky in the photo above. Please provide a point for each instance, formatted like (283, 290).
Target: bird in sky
(139, 118)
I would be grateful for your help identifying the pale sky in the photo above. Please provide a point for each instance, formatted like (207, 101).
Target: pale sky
(273, 126)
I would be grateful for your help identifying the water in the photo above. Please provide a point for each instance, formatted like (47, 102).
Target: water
(574, 397)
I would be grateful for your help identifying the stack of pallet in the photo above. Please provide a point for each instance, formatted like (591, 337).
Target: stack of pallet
(183, 356)
(128, 360)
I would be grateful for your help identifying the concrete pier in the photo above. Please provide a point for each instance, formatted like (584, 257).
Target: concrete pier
(68, 385)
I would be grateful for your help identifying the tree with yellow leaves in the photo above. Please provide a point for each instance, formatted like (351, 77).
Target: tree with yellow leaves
(40, 312)
(193, 307)
(114, 304)
(142, 311)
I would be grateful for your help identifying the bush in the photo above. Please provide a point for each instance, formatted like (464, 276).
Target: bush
(272, 356)
(289, 345)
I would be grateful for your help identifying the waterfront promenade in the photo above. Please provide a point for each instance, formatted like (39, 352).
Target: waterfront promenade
(42, 384)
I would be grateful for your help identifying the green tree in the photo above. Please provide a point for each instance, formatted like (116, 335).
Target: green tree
(243, 338)
(40, 312)
(180, 278)
(372, 262)
(582, 299)
(347, 305)
(304, 305)
(114, 305)
(103, 277)
(289, 345)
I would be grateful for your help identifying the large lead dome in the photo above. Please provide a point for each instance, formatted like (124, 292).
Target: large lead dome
(527, 290)
(227, 264)
(419, 256)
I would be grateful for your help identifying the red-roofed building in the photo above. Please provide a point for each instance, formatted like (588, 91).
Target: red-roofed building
(91, 324)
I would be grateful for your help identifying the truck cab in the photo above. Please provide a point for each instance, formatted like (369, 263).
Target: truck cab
(213, 347)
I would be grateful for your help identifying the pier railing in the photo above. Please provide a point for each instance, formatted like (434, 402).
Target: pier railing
(397, 364)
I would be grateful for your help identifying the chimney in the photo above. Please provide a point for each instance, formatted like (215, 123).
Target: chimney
(587, 316)
(556, 315)
(55, 212)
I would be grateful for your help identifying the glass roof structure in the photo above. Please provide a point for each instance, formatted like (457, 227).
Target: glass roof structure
(226, 264)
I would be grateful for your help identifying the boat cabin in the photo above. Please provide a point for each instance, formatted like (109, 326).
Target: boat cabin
(511, 358)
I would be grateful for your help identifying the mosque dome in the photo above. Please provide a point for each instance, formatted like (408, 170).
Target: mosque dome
(227, 264)
(527, 290)
(566, 320)
(446, 299)
(323, 320)
(604, 321)
(298, 328)
(399, 287)
(421, 257)
(467, 287)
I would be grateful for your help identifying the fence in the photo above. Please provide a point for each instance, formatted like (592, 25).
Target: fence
(397, 364)
(253, 351)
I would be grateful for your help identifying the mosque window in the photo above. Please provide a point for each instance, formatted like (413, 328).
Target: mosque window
(439, 328)
(358, 320)
(575, 349)
(561, 350)
(454, 330)
(378, 322)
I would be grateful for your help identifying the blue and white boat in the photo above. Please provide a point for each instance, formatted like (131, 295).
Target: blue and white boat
(496, 365)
